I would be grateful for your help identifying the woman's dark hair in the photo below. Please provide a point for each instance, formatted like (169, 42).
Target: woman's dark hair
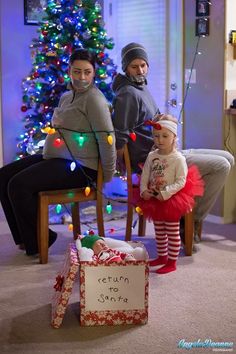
(82, 54)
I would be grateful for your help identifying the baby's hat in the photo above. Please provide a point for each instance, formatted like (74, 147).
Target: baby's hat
(88, 241)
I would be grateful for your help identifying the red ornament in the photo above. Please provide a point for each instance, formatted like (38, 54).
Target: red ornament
(111, 231)
(132, 136)
(101, 55)
(91, 232)
(36, 74)
(61, 80)
(24, 108)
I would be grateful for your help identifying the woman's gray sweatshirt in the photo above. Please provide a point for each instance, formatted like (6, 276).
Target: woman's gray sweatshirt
(84, 115)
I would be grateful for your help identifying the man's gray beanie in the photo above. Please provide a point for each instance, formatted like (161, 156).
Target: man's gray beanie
(131, 52)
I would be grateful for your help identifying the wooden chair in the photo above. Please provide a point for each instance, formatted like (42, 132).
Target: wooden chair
(188, 218)
(75, 196)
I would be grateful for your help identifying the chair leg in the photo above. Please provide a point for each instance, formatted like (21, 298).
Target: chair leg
(141, 225)
(43, 229)
(99, 210)
(129, 222)
(188, 233)
(75, 212)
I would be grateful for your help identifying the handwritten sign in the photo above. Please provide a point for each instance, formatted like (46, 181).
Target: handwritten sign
(114, 288)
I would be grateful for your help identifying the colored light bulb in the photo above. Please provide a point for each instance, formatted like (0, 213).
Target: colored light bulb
(87, 191)
(132, 136)
(70, 227)
(138, 210)
(51, 131)
(57, 142)
(72, 166)
(81, 140)
(109, 208)
(58, 208)
(110, 139)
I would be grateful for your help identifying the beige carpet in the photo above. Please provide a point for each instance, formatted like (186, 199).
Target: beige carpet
(198, 301)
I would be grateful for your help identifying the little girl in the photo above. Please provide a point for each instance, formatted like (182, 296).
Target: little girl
(167, 191)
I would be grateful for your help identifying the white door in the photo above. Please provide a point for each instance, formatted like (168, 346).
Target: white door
(156, 24)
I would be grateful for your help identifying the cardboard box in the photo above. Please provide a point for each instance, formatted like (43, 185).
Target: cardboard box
(110, 294)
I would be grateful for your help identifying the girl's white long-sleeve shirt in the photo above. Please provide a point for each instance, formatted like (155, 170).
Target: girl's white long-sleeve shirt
(165, 174)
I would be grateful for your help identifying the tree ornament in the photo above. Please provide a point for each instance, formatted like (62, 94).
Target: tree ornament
(36, 74)
(61, 80)
(24, 108)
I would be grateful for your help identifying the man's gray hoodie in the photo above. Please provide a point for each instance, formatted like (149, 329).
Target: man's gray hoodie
(133, 104)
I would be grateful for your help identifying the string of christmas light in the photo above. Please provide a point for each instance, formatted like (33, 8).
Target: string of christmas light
(90, 182)
(189, 80)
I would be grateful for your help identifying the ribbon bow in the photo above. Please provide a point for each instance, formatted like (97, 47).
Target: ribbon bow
(153, 124)
(59, 283)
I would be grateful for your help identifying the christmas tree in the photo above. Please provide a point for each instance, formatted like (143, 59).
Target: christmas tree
(68, 25)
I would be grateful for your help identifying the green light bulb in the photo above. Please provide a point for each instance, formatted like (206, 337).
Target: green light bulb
(58, 208)
(109, 208)
(81, 140)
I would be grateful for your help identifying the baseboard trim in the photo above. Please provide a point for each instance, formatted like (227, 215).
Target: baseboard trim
(214, 219)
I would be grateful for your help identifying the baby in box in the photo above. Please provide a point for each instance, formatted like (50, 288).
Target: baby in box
(95, 248)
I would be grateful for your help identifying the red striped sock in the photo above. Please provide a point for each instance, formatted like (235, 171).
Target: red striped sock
(161, 243)
(172, 229)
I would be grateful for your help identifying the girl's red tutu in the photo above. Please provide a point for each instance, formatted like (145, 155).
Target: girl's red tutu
(179, 204)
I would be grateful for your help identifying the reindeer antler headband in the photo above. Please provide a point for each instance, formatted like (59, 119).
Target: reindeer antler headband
(172, 126)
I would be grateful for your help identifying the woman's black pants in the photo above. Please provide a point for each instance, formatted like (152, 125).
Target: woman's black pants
(20, 182)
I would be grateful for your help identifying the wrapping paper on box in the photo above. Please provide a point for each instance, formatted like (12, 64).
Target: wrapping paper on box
(110, 294)
(63, 286)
